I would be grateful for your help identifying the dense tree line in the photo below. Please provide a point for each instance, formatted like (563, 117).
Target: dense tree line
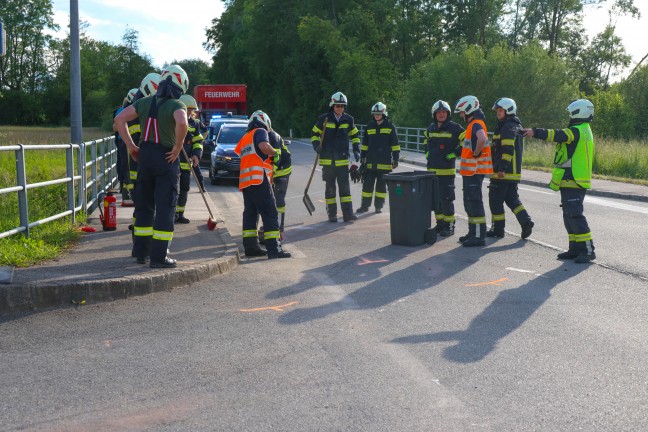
(293, 54)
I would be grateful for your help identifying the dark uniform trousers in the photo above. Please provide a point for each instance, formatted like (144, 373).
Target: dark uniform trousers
(280, 185)
(259, 200)
(156, 196)
(331, 175)
(474, 205)
(501, 192)
(445, 209)
(184, 186)
(580, 236)
(374, 177)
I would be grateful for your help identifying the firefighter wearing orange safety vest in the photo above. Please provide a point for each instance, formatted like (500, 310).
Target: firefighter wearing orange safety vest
(255, 181)
(476, 162)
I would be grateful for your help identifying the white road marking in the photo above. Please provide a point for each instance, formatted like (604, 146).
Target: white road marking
(620, 206)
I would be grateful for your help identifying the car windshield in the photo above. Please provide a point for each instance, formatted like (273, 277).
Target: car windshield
(230, 136)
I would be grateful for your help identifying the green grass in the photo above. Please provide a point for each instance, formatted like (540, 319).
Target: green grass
(613, 160)
(49, 240)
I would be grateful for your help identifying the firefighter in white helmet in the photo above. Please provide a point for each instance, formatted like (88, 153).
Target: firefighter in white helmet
(443, 146)
(475, 163)
(255, 181)
(148, 87)
(379, 154)
(507, 150)
(164, 126)
(572, 175)
(193, 147)
(331, 135)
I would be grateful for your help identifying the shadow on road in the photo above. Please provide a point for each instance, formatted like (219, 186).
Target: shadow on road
(510, 309)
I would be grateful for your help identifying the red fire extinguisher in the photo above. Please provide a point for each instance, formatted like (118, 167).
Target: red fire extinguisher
(108, 216)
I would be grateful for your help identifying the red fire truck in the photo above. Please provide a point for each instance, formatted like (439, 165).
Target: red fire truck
(220, 99)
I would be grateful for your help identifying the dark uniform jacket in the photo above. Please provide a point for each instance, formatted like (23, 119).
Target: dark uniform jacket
(283, 159)
(506, 148)
(192, 143)
(443, 144)
(380, 145)
(335, 148)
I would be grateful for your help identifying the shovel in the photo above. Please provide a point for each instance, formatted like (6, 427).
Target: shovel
(307, 201)
(211, 222)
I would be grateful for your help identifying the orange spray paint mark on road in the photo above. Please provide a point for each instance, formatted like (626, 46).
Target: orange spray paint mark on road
(495, 282)
(274, 308)
(365, 261)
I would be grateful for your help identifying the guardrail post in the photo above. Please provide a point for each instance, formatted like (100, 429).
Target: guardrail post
(21, 180)
(93, 167)
(83, 182)
(69, 172)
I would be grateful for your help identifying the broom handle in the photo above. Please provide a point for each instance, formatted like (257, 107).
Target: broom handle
(195, 177)
(319, 147)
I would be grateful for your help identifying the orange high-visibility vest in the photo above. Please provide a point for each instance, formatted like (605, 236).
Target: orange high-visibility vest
(253, 168)
(470, 164)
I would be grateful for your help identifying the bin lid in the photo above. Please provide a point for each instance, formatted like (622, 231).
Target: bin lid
(408, 176)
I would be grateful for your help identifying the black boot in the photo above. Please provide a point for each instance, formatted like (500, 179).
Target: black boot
(349, 217)
(251, 246)
(586, 252)
(526, 229)
(181, 219)
(496, 230)
(275, 250)
(474, 241)
(448, 230)
(166, 263)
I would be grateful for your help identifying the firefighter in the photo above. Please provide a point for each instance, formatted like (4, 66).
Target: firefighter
(330, 140)
(193, 148)
(123, 173)
(282, 168)
(148, 87)
(443, 137)
(203, 130)
(572, 175)
(255, 181)
(379, 154)
(507, 147)
(475, 163)
(164, 121)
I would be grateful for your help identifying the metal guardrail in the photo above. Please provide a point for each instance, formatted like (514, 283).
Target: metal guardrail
(412, 139)
(94, 173)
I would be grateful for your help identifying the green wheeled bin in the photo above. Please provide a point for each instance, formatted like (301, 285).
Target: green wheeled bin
(412, 197)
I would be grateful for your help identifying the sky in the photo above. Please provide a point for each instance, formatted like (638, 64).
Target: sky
(165, 37)
(174, 30)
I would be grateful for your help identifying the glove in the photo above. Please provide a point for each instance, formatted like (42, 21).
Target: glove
(451, 156)
(355, 174)
(356, 155)
(363, 172)
(317, 148)
(394, 163)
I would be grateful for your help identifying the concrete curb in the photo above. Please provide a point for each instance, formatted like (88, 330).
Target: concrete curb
(21, 298)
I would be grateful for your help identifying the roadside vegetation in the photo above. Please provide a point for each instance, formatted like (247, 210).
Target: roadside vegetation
(48, 240)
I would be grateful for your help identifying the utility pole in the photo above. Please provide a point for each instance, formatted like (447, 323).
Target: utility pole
(75, 74)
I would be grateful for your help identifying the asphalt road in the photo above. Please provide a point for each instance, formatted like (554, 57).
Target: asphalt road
(355, 334)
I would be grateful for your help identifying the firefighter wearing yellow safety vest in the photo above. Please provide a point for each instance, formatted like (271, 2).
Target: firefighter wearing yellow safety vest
(507, 165)
(475, 163)
(255, 181)
(572, 175)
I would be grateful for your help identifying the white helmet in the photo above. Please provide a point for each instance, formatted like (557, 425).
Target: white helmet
(338, 98)
(581, 109)
(467, 104)
(262, 118)
(149, 84)
(507, 104)
(379, 108)
(131, 94)
(440, 105)
(178, 77)
(189, 101)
